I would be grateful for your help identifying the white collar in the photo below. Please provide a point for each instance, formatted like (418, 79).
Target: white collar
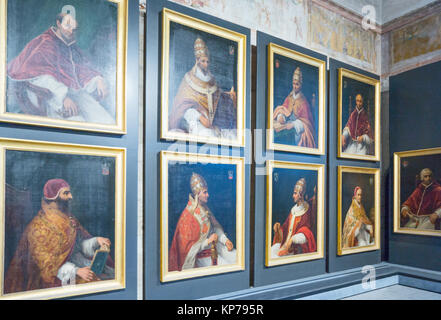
(299, 210)
(201, 76)
(359, 111)
(294, 95)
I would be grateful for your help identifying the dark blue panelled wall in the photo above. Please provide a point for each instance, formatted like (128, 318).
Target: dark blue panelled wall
(336, 262)
(269, 275)
(196, 287)
(415, 123)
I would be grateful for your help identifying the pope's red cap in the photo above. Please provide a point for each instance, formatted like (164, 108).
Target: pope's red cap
(52, 188)
(355, 190)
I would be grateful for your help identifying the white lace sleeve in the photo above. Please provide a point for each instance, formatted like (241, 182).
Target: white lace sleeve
(89, 246)
(67, 272)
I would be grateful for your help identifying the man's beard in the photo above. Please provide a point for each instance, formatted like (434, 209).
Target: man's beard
(63, 205)
(68, 38)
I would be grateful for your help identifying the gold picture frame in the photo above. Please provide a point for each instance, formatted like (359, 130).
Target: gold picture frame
(211, 168)
(111, 164)
(369, 186)
(375, 132)
(408, 166)
(313, 172)
(314, 125)
(38, 114)
(233, 45)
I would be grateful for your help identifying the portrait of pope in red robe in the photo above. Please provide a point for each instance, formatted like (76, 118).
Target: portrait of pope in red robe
(57, 68)
(296, 113)
(294, 218)
(418, 206)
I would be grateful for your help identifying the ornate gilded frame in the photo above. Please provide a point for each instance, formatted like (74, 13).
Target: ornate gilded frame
(120, 126)
(370, 81)
(321, 65)
(376, 174)
(120, 217)
(320, 168)
(169, 16)
(165, 158)
(397, 190)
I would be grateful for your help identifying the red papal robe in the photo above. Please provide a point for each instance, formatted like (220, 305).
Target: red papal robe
(46, 244)
(425, 201)
(188, 232)
(301, 224)
(47, 54)
(359, 125)
(301, 109)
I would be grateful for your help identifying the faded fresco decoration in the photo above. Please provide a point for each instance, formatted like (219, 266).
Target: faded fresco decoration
(270, 16)
(417, 39)
(331, 32)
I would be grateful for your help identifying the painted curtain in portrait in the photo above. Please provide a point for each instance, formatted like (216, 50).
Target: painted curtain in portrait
(359, 125)
(65, 66)
(417, 180)
(358, 214)
(189, 220)
(202, 77)
(295, 204)
(44, 236)
(296, 99)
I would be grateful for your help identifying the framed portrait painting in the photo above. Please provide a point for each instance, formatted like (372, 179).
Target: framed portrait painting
(295, 212)
(202, 215)
(203, 81)
(358, 210)
(296, 101)
(62, 218)
(417, 192)
(358, 116)
(65, 66)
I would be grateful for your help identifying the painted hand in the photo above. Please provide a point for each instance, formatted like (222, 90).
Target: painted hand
(205, 122)
(433, 217)
(213, 238)
(101, 88)
(86, 274)
(103, 241)
(405, 213)
(229, 245)
(70, 109)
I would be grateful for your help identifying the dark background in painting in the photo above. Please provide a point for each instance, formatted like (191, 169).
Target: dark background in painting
(96, 32)
(223, 64)
(350, 180)
(93, 191)
(284, 181)
(350, 88)
(283, 86)
(221, 181)
(411, 168)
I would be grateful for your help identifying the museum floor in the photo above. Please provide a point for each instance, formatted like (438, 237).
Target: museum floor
(396, 292)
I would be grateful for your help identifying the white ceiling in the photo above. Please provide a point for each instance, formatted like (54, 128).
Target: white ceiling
(393, 9)
(386, 10)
